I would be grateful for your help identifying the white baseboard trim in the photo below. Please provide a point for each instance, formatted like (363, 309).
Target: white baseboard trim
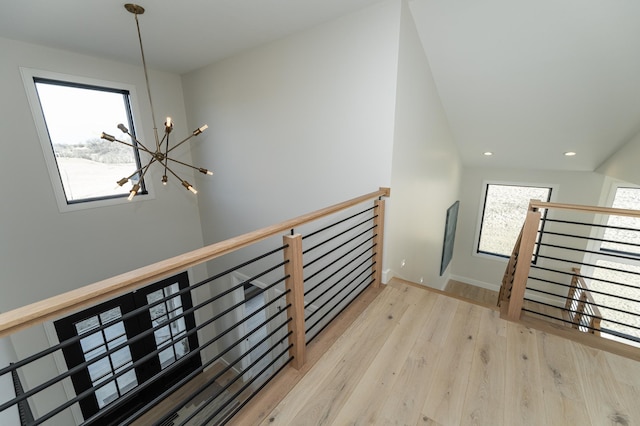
(477, 283)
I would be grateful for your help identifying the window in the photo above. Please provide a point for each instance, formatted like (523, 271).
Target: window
(622, 227)
(171, 338)
(70, 115)
(503, 214)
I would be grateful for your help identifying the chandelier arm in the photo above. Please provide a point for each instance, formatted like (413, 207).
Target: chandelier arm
(180, 143)
(140, 171)
(174, 173)
(136, 141)
(146, 168)
(185, 164)
(140, 148)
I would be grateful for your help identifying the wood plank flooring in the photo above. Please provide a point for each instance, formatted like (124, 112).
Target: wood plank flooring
(416, 357)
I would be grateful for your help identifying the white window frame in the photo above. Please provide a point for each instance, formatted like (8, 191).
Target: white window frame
(28, 75)
(485, 183)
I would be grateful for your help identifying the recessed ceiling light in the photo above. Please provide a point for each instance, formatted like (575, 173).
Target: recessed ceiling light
(487, 153)
(569, 154)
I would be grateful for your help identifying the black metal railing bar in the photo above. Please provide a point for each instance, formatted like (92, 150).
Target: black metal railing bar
(560, 296)
(310, 339)
(338, 247)
(311, 234)
(310, 327)
(336, 283)
(235, 379)
(569, 310)
(600, 280)
(320, 283)
(110, 351)
(338, 235)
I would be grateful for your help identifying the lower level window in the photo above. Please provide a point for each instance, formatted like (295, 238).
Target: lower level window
(504, 212)
(102, 328)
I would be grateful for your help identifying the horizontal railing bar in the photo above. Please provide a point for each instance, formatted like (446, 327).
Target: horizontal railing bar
(589, 303)
(621, 335)
(38, 312)
(259, 388)
(587, 209)
(210, 381)
(599, 253)
(338, 247)
(582, 237)
(137, 363)
(343, 308)
(334, 306)
(338, 235)
(592, 278)
(571, 310)
(586, 264)
(310, 290)
(191, 375)
(590, 289)
(311, 234)
(227, 385)
(560, 319)
(250, 382)
(592, 225)
(134, 339)
(338, 281)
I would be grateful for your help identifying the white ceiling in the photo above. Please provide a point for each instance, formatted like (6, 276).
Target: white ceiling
(527, 80)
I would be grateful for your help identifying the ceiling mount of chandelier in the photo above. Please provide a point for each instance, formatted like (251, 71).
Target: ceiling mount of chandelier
(161, 153)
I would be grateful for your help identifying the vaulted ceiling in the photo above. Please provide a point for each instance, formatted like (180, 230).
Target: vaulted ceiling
(527, 80)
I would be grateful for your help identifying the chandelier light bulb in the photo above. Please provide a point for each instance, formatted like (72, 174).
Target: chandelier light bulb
(189, 187)
(199, 130)
(134, 191)
(107, 137)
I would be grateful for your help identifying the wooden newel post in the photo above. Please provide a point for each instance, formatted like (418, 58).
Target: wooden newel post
(521, 274)
(378, 242)
(295, 298)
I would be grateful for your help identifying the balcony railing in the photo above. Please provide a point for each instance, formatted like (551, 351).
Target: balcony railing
(148, 347)
(575, 279)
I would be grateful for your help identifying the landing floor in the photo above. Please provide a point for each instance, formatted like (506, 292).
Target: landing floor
(415, 357)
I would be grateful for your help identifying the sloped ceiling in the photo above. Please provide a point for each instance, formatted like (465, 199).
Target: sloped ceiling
(530, 80)
(527, 80)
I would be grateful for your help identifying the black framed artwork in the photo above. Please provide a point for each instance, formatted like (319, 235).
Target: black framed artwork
(449, 236)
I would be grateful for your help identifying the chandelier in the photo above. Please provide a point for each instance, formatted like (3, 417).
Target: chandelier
(162, 151)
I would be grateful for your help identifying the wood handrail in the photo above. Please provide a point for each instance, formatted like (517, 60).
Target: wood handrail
(587, 209)
(38, 312)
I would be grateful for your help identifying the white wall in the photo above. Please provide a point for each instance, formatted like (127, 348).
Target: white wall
(623, 164)
(426, 168)
(298, 124)
(484, 271)
(44, 252)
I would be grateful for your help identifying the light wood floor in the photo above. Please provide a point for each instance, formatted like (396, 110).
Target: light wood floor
(473, 293)
(416, 357)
